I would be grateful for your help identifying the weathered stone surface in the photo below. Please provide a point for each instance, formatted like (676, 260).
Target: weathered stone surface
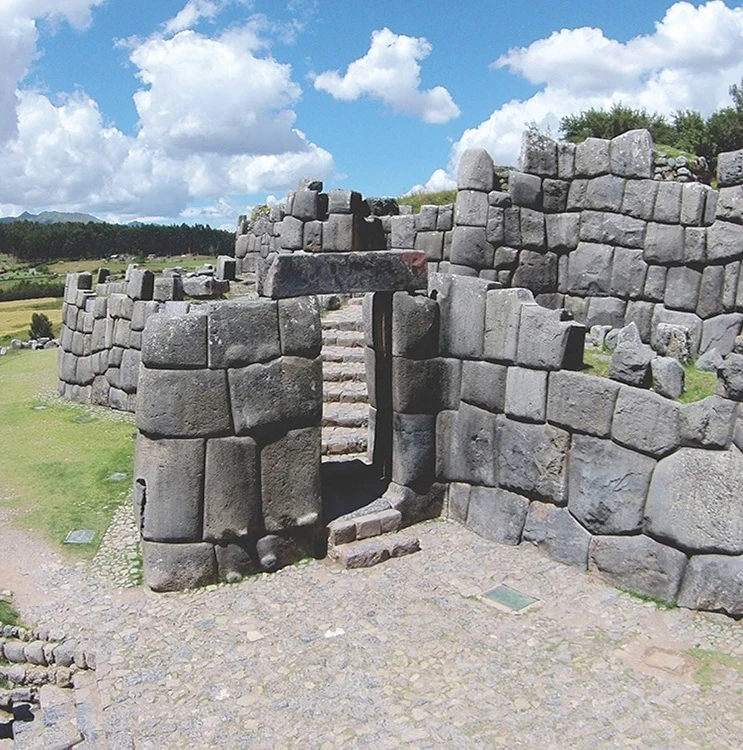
(415, 326)
(128, 374)
(668, 202)
(555, 195)
(577, 194)
(484, 385)
(175, 341)
(646, 422)
(612, 229)
(720, 333)
(341, 233)
(565, 160)
(289, 388)
(526, 394)
(175, 567)
(525, 190)
(532, 229)
(589, 269)
(413, 506)
(639, 198)
(730, 286)
(607, 485)
(664, 243)
(292, 233)
(431, 244)
(682, 288)
(630, 363)
(695, 244)
(290, 480)
(730, 168)
(557, 533)
(300, 331)
(581, 403)
(710, 361)
(470, 247)
(471, 208)
(141, 312)
(413, 449)
(497, 514)
(710, 291)
(169, 479)
(458, 500)
(724, 241)
(502, 320)
(475, 170)
(708, 423)
(462, 322)
(168, 288)
(693, 501)
(730, 377)
(536, 271)
(538, 154)
(562, 230)
(204, 287)
(604, 193)
(344, 201)
(232, 495)
(236, 559)
(548, 342)
(668, 376)
(693, 201)
(466, 442)
(713, 583)
(532, 460)
(628, 273)
(655, 283)
(183, 403)
(638, 564)
(284, 548)
(632, 154)
(425, 386)
(606, 311)
(301, 274)
(592, 158)
(689, 321)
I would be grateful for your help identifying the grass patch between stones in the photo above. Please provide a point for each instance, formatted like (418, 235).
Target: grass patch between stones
(57, 458)
(710, 663)
(8, 614)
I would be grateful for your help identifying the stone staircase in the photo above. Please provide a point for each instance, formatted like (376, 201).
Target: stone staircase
(345, 395)
(64, 718)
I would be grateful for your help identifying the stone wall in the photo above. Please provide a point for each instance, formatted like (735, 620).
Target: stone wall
(227, 461)
(590, 228)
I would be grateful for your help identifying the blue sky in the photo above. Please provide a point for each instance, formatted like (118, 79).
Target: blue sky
(196, 110)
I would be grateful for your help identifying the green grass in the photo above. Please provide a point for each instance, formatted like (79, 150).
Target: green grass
(417, 200)
(15, 316)
(596, 362)
(56, 456)
(189, 262)
(709, 663)
(9, 614)
(697, 385)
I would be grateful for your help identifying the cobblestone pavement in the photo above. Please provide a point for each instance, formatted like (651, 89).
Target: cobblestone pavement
(402, 654)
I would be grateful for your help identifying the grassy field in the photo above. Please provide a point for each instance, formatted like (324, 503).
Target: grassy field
(58, 459)
(15, 317)
(188, 262)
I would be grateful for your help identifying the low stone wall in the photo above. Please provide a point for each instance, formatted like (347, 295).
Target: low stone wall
(227, 461)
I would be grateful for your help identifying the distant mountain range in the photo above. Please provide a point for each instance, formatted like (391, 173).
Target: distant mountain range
(51, 217)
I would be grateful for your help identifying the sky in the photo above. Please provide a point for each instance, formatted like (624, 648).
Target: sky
(197, 110)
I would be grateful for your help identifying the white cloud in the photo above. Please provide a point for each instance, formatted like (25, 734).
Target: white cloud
(191, 13)
(215, 120)
(439, 180)
(688, 62)
(390, 71)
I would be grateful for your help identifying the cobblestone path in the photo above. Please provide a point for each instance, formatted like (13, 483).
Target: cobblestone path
(400, 655)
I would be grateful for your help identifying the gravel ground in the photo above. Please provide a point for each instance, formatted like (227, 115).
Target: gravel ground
(403, 654)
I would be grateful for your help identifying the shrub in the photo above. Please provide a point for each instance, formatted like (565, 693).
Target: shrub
(41, 327)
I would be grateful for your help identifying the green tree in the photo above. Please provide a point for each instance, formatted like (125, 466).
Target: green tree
(41, 327)
(598, 123)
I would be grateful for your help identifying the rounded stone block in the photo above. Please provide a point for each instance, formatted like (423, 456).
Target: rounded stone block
(693, 501)
(175, 567)
(183, 403)
(646, 422)
(175, 341)
(713, 583)
(242, 332)
(496, 514)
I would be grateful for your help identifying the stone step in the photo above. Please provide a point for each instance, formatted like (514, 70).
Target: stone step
(347, 323)
(334, 337)
(369, 552)
(346, 457)
(374, 519)
(343, 440)
(345, 393)
(58, 719)
(89, 711)
(342, 354)
(345, 415)
(341, 371)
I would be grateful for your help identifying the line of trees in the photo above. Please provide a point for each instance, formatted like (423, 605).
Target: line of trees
(31, 242)
(685, 130)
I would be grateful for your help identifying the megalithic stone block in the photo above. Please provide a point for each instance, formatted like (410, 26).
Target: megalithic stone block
(301, 274)
(175, 341)
(175, 567)
(242, 332)
(413, 449)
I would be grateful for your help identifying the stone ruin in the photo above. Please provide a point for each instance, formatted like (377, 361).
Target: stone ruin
(475, 320)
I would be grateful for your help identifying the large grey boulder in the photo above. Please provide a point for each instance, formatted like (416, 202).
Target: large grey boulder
(639, 198)
(175, 341)
(646, 422)
(668, 376)
(548, 342)
(608, 228)
(497, 514)
(502, 320)
(526, 394)
(532, 460)
(466, 445)
(484, 385)
(664, 243)
(290, 480)
(730, 377)
(632, 154)
(693, 501)
(713, 583)
(607, 485)
(475, 170)
(592, 158)
(471, 208)
(589, 269)
(415, 326)
(730, 168)
(470, 246)
(300, 330)
(242, 332)
(724, 241)
(630, 362)
(556, 532)
(720, 332)
(538, 154)
(708, 423)
(638, 564)
(413, 449)
(175, 567)
(604, 193)
(581, 403)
